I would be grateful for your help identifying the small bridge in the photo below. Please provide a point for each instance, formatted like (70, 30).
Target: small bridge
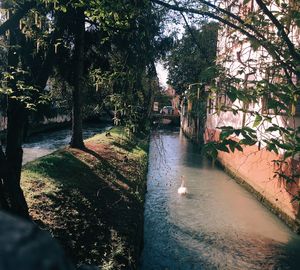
(166, 119)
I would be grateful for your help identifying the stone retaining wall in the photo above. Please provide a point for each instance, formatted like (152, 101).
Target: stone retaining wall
(255, 169)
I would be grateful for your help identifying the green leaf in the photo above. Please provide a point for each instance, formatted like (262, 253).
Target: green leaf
(296, 15)
(238, 147)
(254, 44)
(271, 129)
(233, 145)
(248, 141)
(211, 150)
(237, 132)
(232, 96)
(249, 130)
(223, 148)
(288, 154)
(214, 153)
(225, 134)
(285, 146)
(257, 120)
(272, 147)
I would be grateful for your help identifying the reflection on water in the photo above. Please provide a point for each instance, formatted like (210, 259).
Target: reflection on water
(218, 225)
(46, 143)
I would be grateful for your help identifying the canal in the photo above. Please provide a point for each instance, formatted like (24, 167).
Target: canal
(45, 143)
(218, 225)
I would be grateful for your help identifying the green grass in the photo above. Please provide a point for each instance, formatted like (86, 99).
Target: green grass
(92, 200)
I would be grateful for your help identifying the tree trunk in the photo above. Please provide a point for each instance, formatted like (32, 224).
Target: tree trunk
(77, 139)
(3, 174)
(150, 98)
(15, 129)
(14, 156)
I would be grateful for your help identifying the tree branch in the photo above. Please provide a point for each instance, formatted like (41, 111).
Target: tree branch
(273, 51)
(281, 31)
(189, 28)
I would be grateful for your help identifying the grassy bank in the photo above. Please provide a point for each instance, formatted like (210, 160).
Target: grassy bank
(92, 200)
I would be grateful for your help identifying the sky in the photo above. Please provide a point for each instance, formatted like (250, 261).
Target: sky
(170, 27)
(162, 74)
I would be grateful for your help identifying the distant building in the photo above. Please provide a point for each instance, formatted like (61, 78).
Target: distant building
(193, 111)
(174, 98)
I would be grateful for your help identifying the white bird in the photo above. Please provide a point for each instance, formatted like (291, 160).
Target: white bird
(182, 190)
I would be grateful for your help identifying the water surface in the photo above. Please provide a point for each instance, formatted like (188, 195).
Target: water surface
(45, 143)
(218, 225)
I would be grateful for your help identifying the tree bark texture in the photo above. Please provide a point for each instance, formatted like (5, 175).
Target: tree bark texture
(14, 155)
(77, 139)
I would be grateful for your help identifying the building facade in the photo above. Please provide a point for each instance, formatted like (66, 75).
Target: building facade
(248, 66)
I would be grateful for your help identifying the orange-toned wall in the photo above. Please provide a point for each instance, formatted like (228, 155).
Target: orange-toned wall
(257, 169)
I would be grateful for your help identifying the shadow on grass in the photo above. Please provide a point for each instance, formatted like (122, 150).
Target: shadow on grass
(87, 208)
(125, 145)
(128, 145)
(109, 169)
